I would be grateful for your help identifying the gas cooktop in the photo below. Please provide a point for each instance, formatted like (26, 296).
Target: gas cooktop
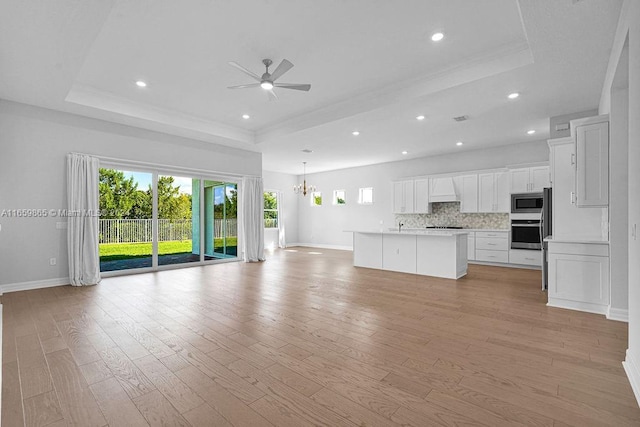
(444, 227)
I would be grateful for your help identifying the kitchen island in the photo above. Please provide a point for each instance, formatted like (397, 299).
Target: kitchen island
(439, 253)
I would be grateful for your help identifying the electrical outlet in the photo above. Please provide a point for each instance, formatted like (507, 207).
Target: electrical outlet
(52, 261)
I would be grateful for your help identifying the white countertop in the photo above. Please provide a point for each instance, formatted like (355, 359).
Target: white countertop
(506, 230)
(551, 239)
(413, 232)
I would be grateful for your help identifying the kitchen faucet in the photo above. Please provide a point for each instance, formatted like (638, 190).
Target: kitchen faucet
(400, 226)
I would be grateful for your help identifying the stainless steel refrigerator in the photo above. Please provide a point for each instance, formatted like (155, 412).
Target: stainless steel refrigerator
(545, 231)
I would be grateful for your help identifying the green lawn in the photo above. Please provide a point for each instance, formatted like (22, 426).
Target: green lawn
(117, 251)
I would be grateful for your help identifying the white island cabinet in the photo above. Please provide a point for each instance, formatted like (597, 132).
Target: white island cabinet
(429, 253)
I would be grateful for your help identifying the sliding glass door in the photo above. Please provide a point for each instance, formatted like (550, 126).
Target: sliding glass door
(150, 219)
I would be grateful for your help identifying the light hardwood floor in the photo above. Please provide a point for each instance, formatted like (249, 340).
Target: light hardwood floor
(307, 339)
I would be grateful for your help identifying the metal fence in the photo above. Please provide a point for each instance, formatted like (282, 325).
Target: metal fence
(140, 230)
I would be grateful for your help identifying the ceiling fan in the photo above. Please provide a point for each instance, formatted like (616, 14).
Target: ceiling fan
(268, 80)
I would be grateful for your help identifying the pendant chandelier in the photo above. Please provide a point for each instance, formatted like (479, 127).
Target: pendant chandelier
(302, 188)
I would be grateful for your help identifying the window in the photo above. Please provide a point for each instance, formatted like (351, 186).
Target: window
(339, 197)
(365, 196)
(316, 198)
(270, 209)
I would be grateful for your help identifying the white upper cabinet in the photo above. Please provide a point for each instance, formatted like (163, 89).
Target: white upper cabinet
(493, 192)
(503, 198)
(468, 185)
(540, 178)
(529, 180)
(592, 164)
(520, 180)
(403, 196)
(569, 220)
(421, 197)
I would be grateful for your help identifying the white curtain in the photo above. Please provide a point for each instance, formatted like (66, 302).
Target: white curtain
(253, 219)
(282, 241)
(82, 228)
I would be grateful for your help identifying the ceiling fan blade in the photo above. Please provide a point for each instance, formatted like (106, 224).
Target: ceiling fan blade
(244, 86)
(272, 95)
(282, 68)
(244, 70)
(293, 86)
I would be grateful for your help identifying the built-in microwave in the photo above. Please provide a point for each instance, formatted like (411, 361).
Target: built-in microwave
(526, 203)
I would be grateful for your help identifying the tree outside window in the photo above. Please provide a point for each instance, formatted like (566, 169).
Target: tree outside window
(270, 209)
(316, 198)
(339, 197)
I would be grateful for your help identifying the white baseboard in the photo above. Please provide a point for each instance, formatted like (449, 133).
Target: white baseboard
(36, 284)
(320, 246)
(617, 314)
(632, 368)
(576, 305)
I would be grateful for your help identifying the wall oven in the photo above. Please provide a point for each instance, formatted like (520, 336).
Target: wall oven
(526, 203)
(526, 234)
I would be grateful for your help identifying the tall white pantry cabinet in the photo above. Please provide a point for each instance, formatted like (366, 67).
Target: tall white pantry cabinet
(579, 247)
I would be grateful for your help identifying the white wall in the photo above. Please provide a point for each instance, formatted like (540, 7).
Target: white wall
(633, 354)
(34, 144)
(324, 225)
(275, 181)
(619, 202)
(629, 30)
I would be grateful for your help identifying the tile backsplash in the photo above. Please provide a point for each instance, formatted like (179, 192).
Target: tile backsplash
(448, 214)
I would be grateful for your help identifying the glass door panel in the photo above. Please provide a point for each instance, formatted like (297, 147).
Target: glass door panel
(221, 219)
(178, 220)
(125, 224)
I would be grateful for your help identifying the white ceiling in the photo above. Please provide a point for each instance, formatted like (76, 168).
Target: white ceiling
(371, 64)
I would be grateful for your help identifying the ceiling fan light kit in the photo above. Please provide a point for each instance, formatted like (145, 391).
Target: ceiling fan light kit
(268, 80)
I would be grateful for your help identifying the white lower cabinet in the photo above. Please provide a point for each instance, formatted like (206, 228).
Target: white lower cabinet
(492, 256)
(525, 257)
(399, 253)
(492, 246)
(367, 250)
(471, 246)
(579, 276)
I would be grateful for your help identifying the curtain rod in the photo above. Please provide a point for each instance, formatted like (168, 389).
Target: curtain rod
(149, 165)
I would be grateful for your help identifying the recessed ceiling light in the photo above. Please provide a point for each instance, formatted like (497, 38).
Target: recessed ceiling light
(355, 133)
(140, 83)
(513, 95)
(420, 117)
(459, 143)
(404, 152)
(436, 37)
(246, 116)
(531, 132)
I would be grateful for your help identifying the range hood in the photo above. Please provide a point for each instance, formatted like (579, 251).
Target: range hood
(443, 190)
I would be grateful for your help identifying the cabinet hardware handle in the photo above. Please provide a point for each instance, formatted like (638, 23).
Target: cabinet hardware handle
(573, 159)
(572, 197)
